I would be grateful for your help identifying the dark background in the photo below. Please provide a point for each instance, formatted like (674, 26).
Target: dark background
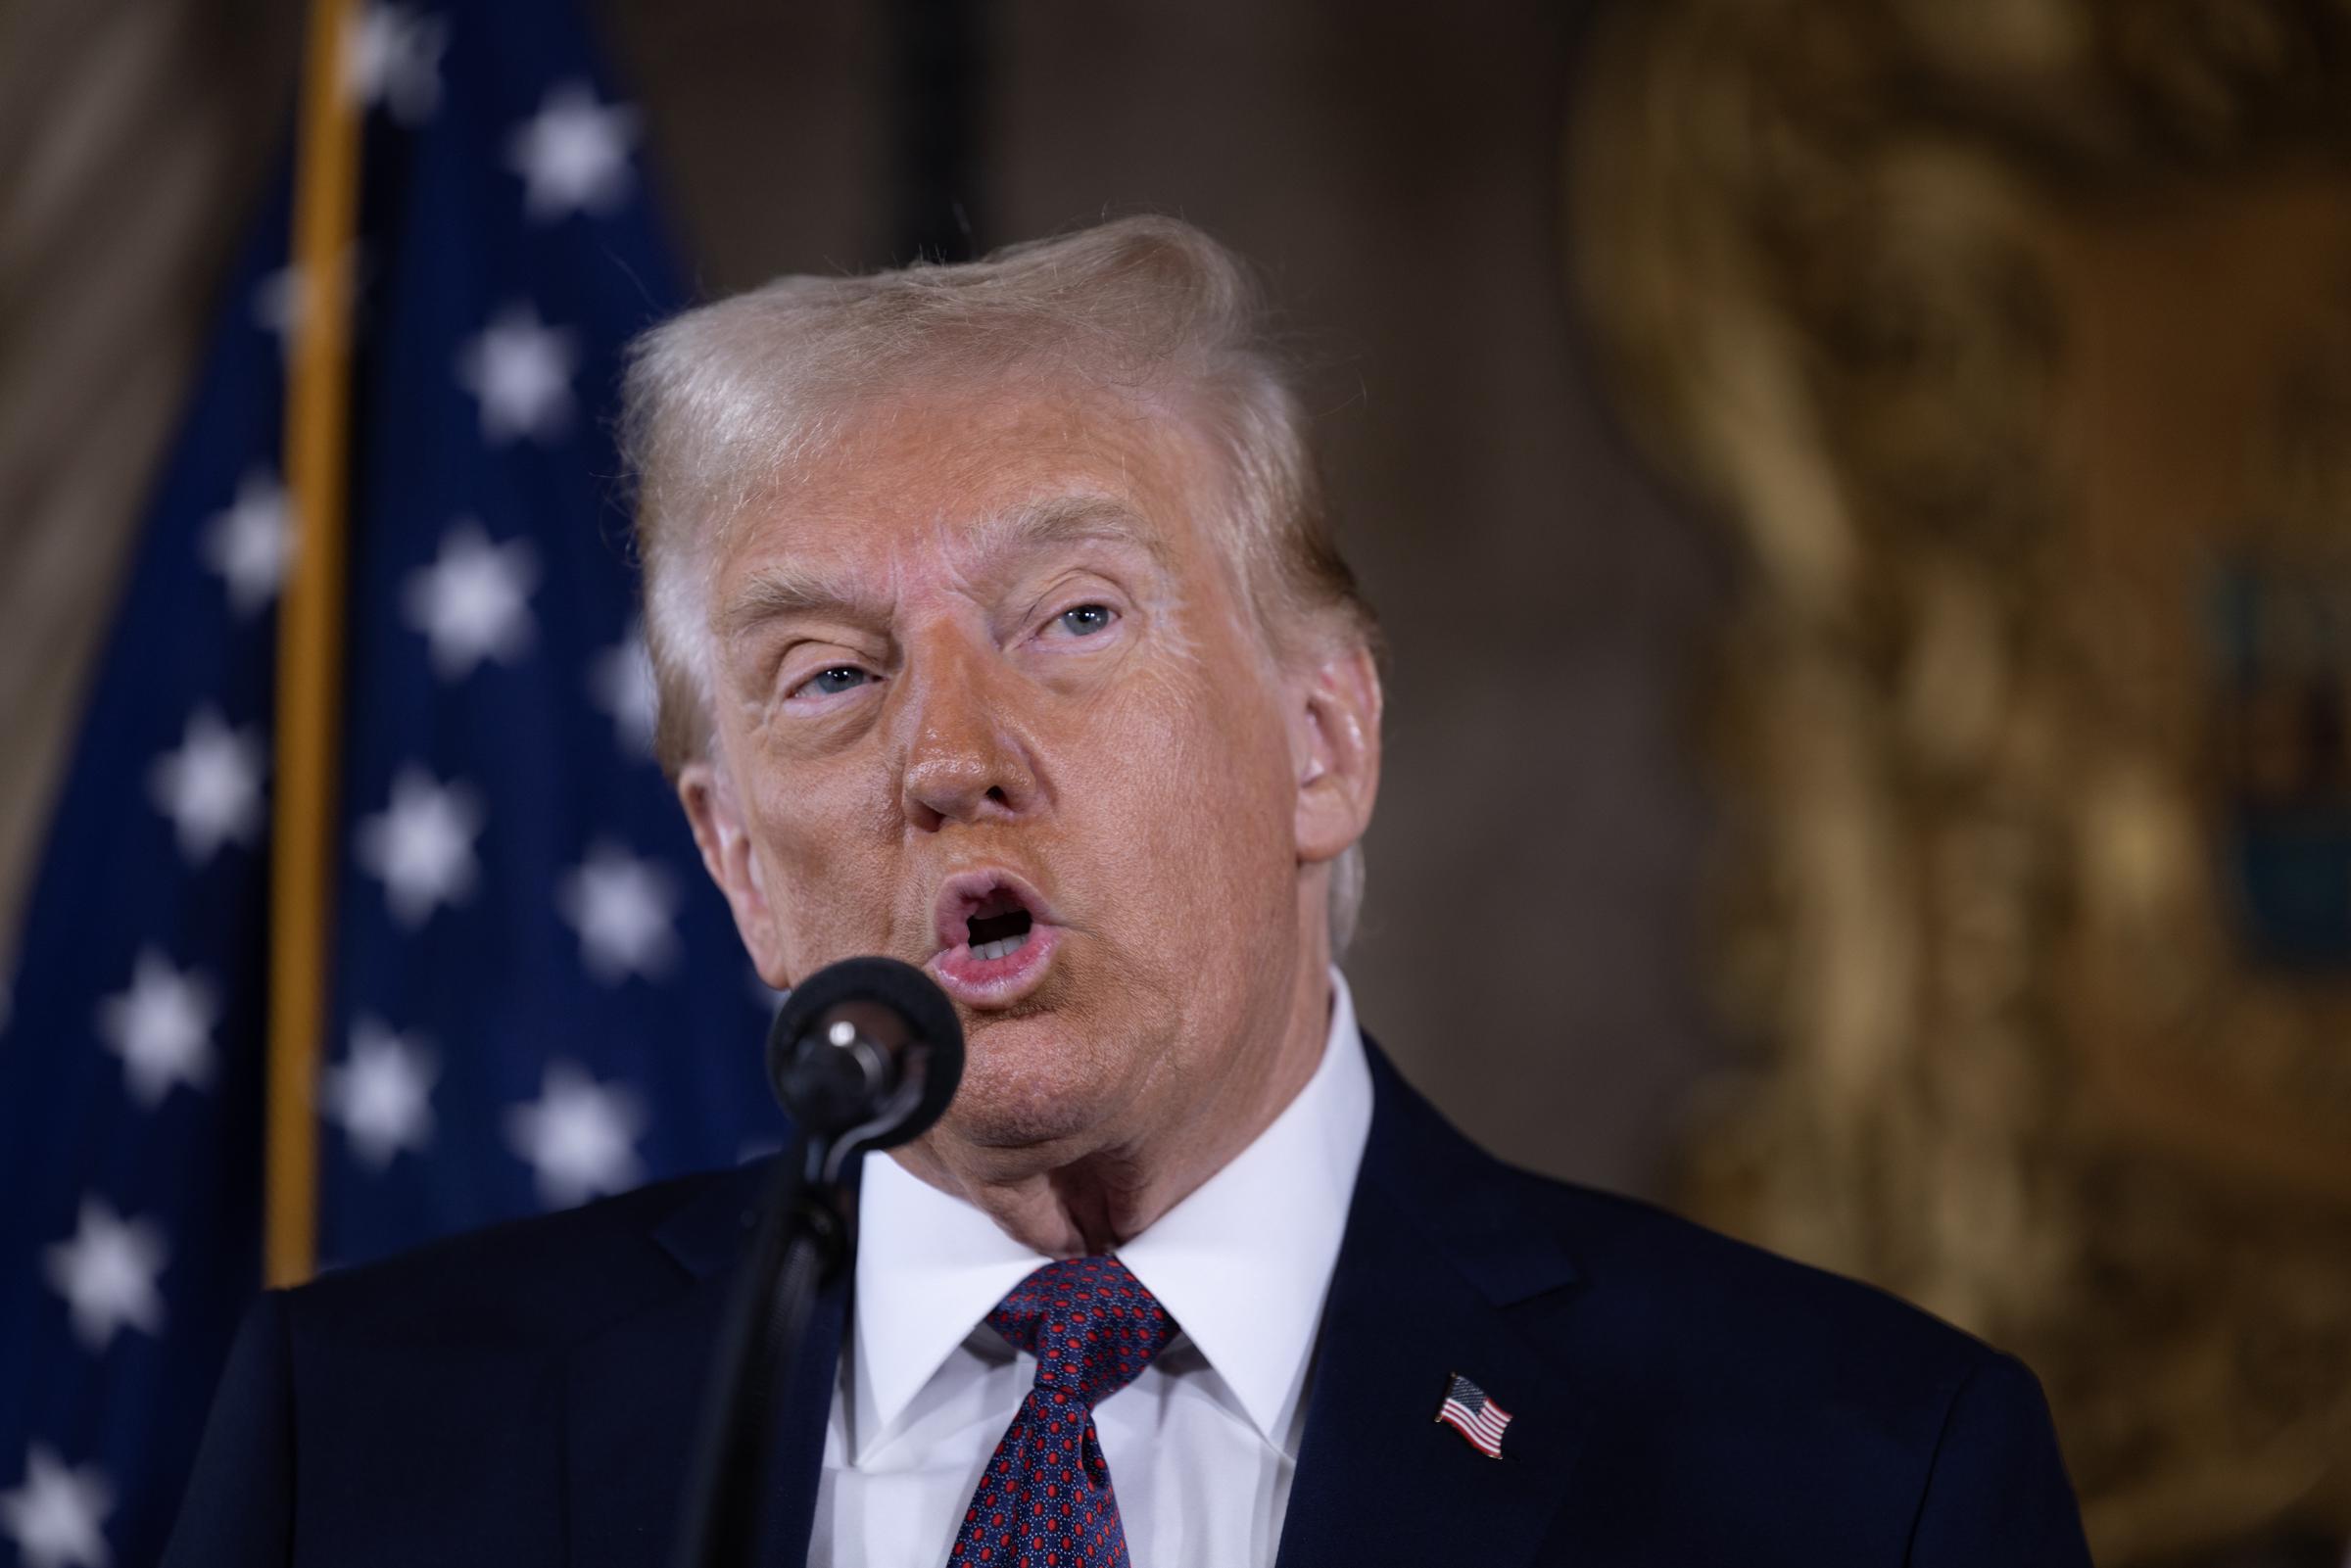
(1529, 948)
(1532, 942)
(1892, 765)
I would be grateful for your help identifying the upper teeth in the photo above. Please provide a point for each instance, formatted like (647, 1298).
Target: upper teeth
(1001, 947)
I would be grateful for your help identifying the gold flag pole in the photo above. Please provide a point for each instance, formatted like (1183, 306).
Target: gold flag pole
(309, 640)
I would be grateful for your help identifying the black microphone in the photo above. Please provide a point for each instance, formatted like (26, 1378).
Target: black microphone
(864, 1054)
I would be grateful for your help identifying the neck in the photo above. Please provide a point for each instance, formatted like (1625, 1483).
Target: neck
(1095, 1200)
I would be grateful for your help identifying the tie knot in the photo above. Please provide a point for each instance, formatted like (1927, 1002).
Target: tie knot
(1089, 1324)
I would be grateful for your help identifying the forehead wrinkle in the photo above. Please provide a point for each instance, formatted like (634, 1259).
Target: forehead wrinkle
(1057, 521)
(972, 551)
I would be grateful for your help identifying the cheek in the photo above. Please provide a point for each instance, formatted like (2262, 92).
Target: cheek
(824, 833)
(1193, 783)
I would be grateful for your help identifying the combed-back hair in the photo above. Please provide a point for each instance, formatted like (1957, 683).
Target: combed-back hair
(721, 403)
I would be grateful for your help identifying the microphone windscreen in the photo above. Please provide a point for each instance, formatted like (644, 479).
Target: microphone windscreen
(912, 999)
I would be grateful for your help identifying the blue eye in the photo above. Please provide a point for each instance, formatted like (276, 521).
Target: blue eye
(1085, 620)
(833, 680)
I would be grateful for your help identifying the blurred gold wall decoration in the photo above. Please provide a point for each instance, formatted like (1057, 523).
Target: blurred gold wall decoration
(2012, 341)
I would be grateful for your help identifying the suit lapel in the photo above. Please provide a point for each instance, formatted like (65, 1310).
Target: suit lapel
(1436, 1260)
(634, 1398)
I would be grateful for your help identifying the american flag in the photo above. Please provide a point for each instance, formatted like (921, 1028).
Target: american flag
(1469, 1411)
(535, 998)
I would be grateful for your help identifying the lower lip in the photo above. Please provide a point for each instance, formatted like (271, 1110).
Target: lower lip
(996, 981)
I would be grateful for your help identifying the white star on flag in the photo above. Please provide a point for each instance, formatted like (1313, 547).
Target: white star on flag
(421, 847)
(161, 1027)
(54, 1516)
(381, 1094)
(574, 155)
(278, 303)
(211, 787)
(521, 370)
(620, 680)
(474, 602)
(252, 542)
(622, 908)
(393, 58)
(579, 1136)
(107, 1274)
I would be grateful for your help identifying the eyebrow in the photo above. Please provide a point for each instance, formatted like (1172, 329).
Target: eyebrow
(788, 589)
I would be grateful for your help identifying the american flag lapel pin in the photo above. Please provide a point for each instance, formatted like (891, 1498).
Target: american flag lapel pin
(1468, 1410)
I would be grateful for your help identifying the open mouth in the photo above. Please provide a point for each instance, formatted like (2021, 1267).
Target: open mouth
(999, 928)
(997, 938)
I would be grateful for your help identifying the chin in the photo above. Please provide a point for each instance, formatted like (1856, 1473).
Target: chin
(1030, 1081)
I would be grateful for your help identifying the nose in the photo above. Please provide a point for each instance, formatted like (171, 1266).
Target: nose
(965, 760)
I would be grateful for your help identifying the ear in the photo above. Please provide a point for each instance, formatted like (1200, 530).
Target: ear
(1335, 746)
(711, 805)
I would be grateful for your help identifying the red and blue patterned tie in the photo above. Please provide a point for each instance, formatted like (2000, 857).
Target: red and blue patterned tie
(1044, 1501)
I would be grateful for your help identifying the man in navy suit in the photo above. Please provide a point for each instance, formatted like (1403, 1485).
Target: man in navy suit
(999, 628)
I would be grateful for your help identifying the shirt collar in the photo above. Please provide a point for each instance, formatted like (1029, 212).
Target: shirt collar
(1242, 1263)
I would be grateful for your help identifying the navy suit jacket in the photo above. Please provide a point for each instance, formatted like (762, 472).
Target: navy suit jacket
(528, 1395)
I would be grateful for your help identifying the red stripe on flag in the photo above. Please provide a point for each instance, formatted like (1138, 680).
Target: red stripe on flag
(1483, 1428)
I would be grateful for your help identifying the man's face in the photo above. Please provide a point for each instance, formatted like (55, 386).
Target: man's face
(988, 700)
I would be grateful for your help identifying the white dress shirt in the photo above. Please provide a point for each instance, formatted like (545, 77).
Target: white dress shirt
(1201, 1447)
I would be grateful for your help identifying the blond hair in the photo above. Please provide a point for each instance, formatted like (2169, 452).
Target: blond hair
(721, 403)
